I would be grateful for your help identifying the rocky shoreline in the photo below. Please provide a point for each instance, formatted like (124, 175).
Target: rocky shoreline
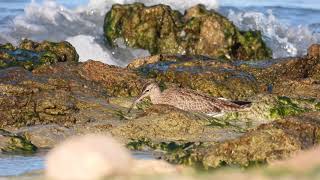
(46, 95)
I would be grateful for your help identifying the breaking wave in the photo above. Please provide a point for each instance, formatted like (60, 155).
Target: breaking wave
(283, 39)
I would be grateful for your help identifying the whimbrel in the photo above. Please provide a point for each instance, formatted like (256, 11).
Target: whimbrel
(189, 100)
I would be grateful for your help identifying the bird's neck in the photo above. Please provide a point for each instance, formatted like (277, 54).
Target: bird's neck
(156, 96)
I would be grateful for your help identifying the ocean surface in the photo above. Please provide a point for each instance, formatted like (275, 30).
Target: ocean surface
(288, 27)
(13, 165)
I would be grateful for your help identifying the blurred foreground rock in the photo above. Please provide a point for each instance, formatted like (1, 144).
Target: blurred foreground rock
(94, 157)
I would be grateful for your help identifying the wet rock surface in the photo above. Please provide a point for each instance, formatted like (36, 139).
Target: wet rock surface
(274, 141)
(294, 77)
(199, 31)
(31, 55)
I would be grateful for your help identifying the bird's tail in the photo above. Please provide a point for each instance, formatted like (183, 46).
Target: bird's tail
(235, 105)
(243, 104)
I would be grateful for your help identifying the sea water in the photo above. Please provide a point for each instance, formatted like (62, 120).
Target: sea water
(288, 27)
(13, 165)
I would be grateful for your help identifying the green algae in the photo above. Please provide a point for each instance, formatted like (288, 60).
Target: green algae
(19, 145)
(252, 46)
(286, 107)
(16, 144)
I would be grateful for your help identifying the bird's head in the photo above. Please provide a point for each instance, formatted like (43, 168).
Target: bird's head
(150, 90)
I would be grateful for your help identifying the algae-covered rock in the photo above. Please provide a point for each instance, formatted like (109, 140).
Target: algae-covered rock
(65, 94)
(173, 152)
(314, 51)
(117, 81)
(274, 141)
(293, 77)
(169, 124)
(255, 147)
(160, 29)
(64, 51)
(31, 55)
(218, 81)
(266, 109)
(25, 58)
(162, 123)
(46, 136)
(13, 143)
(21, 106)
(171, 131)
(51, 94)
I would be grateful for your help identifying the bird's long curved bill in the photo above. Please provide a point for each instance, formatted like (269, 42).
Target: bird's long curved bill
(135, 102)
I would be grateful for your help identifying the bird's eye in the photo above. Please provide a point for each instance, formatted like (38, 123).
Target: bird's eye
(147, 90)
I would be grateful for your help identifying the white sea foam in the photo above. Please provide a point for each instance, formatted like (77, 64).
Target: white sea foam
(283, 39)
(176, 4)
(87, 48)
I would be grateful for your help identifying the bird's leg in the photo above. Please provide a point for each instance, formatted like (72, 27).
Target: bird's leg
(212, 120)
(123, 116)
(132, 106)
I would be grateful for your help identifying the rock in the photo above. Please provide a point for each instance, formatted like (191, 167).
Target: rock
(268, 108)
(162, 30)
(164, 127)
(117, 81)
(64, 51)
(302, 162)
(16, 144)
(31, 55)
(275, 141)
(46, 136)
(51, 94)
(179, 133)
(211, 77)
(307, 87)
(314, 51)
(163, 123)
(237, 81)
(88, 157)
(24, 58)
(29, 104)
(254, 148)
(59, 100)
(136, 63)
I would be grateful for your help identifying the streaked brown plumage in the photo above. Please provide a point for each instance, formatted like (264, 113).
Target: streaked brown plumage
(188, 100)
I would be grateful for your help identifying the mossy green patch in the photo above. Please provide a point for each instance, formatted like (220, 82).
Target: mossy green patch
(286, 107)
(19, 145)
(16, 144)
